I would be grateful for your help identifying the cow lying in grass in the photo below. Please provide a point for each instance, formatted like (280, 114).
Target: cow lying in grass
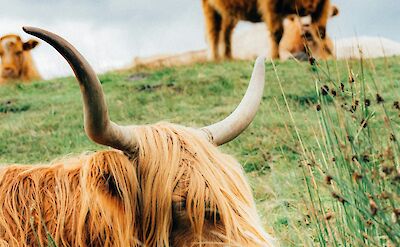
(163, 185)
(16, 60)
(302, 40)
(221, 17)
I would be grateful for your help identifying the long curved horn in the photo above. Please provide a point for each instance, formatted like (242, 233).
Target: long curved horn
(98, 126)
(229, 128)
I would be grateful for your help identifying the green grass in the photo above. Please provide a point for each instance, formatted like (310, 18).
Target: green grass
(287, 152)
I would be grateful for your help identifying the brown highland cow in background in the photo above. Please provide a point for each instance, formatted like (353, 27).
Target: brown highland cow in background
(221, 17)
(16, 60)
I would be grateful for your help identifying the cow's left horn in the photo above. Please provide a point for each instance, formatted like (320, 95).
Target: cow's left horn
(229, 128)
(98, 126)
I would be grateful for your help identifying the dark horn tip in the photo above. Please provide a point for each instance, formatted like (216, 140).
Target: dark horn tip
(32, 30)
(27, 29)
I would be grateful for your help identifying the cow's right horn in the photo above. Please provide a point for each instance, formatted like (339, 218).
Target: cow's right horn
(98, 126)
(229, 128)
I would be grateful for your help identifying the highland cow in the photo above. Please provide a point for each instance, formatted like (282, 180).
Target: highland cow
(301, 39)
(221, 17)
(164, 185)
(16, 61)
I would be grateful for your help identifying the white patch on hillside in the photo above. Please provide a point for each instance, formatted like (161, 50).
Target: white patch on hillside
(371, 47)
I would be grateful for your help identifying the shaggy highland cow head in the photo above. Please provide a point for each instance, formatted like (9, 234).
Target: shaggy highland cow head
(189, 193)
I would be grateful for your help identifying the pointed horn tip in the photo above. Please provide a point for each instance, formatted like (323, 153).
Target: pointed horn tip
(29, 30)
(259, 67)
(259, 64)
(260, 59)
(26, 28)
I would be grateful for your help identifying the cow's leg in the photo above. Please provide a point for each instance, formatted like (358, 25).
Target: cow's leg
(275, 26)
(213, 21)
(228, 24)
(320, 17)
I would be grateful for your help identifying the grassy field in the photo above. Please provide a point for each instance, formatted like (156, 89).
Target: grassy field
(317, 129)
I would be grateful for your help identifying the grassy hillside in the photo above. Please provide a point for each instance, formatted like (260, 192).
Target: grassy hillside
(310, 118)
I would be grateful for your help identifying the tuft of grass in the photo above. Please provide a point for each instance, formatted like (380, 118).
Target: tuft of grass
(288, 157)
(351, 169)
(12, 106)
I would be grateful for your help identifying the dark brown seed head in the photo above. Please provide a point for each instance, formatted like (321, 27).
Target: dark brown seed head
(328, 180)
(351, 78)
(311, 60)
(392, 137)
(396, 105)
(333, 92)
(367, 102)
(338, 197)
(379, 99)
(318, 107)
(342, 86)
(369, 223)
(364, 123)
(353, 108)
(324, 90)
(366, 158)
(328, 216)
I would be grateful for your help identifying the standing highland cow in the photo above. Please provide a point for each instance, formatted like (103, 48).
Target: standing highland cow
(168, 185)
(221, 17)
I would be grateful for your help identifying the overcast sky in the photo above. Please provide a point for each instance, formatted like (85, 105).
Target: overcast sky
(111, 32)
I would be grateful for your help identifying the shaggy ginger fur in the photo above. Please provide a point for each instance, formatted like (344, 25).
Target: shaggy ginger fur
(176, 190)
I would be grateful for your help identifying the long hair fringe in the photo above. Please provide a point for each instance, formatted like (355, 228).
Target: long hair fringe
(173, 161)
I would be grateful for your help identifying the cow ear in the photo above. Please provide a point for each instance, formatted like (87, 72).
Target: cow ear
(30, 44)
(334, 11)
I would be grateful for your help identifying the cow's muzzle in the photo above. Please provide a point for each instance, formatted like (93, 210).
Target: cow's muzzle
(9, 72)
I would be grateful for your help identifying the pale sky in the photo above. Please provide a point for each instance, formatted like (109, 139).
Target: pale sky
(111, 32)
